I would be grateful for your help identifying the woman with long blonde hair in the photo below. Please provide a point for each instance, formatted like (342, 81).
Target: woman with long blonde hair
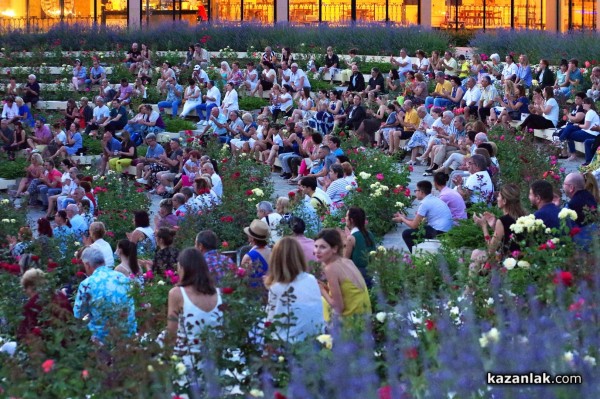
(294, 303)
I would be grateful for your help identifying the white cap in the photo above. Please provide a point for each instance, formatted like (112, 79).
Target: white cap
(197, 68)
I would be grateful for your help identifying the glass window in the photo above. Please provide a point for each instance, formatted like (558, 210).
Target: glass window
(337, 11)
(489, 14)
(259, 11)
(404, 12)
(226, 10)
(302, 11)
(578, 15)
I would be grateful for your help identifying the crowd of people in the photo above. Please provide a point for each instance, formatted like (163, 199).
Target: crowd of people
(445, 128)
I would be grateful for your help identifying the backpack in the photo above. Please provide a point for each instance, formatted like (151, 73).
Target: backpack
(136, 139)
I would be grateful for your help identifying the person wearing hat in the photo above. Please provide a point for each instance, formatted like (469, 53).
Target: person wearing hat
(200, 76)
(79, 75)
(258, 257)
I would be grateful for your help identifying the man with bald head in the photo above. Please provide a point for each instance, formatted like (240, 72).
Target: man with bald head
(581, 200)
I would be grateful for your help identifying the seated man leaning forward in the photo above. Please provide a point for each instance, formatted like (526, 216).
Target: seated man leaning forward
(437, 213)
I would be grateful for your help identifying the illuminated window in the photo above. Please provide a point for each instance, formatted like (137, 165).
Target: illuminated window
(404, 12)
(226, 10)
(488, 14)
(259, 11)
(339, 11)
(578, 15)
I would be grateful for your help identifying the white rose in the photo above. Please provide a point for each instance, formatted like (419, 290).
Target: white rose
(161, 282)
(180, 368)
(364, 175)
(381, 317)
(150, 368)
(257, 393)
(524, 264)
(490, 301)
(13, 221)
(567, 213)
(483, 341)
(493, 335)
(509, 263)
(349, 188)
(325, 339)
(5, 201)
(568, 357)
(77, 243)
(399, 204)
(5, 221)
(590, 360)
(454, 310)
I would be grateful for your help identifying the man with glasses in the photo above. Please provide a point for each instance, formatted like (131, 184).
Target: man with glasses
(581, 200)
(433, 209)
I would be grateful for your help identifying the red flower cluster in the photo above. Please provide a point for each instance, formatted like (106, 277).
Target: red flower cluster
(10, 267)
(249, 192)
(99, 189)
(235, 175)
(172, 276)
(227, 219)
(227, 290)
(563, 278)
(52, 266)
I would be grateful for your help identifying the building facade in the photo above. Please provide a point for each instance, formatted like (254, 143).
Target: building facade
(554, 15)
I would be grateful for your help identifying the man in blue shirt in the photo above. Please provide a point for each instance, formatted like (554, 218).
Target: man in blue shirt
(581, 200)
(218, 122)
(78, 224)
(437, 213)
(109, 146)
(104, 297)
(174, 92)
(540, 196)
(153, 154)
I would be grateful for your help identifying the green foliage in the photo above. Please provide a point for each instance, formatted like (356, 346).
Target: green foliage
(94, 146)
(248, 103)
(176, 125)
(245, 183)
(11, 219)
(118, 199)
(13, 169)
(467, 234)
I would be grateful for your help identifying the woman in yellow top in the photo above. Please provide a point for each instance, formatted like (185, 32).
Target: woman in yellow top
(346, 291)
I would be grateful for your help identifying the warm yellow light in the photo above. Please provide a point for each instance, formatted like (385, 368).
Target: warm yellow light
(8, 13)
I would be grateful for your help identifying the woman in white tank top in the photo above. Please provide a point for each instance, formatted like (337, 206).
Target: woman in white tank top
(193, 307)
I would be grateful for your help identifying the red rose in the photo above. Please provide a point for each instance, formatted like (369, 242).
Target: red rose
(48, 365)
(35, 258)
(189, 139)
(429, 324)
(576, 306)
(227, 290)
(74, 261)
(240, 272)
(291, 194)
(52, 265)
(85, 374)
(279, 395)
(249, 192)
(574, 231)
(225, 244)
(268, 324)
(384, 392)
(359, 190)
(235, 175)
(188, 133)
(36, 331)
(542, 246)
(564, 278)
(411, 353)
(80, 274)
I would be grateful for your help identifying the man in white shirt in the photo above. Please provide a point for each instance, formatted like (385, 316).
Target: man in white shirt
(298, 80)
(217, 183)
(78, 223)
(285, 73)
(99, 115)
(211, 99)
(470, 100)
(510, 69)
(96, 240)
(266, 213)
(479, 187)
(450, 64)
(487, 98)
(404, 63)
(200, 76)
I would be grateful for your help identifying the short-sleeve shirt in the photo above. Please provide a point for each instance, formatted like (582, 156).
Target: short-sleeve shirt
(174, 155)
(44, 134)
(104, 296)
(155, 152)
(455, 202)
(482, 189)
(124, 91)
(101, 112)
(437, 213)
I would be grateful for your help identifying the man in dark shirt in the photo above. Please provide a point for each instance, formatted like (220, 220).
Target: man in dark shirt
(31, 91)
(582, 201)
(376, 84)
(118, 117)
(541, 195)
(133, 56)
(356, 114)
(6, 134)
(357, 81)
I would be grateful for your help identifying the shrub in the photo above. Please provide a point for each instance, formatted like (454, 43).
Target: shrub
(176, 125)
